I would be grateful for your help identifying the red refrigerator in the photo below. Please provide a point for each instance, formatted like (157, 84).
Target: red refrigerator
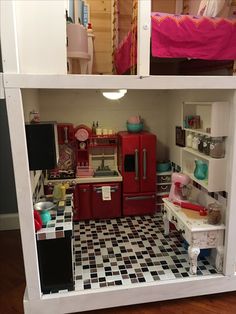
(137, 164)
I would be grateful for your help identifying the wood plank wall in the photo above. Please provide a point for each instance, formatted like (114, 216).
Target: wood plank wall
(125, 13)
(125, 18)
(164, 6)
(101, 19)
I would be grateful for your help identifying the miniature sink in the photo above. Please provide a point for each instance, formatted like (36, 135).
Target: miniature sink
(105, 173)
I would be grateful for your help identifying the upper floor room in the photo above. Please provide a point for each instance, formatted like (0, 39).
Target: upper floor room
(117, 37)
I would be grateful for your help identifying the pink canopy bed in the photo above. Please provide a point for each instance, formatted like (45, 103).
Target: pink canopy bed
(183, 45)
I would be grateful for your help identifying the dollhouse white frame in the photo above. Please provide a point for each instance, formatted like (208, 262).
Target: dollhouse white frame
(12, 81)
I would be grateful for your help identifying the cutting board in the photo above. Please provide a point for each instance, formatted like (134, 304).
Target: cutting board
(192, 214)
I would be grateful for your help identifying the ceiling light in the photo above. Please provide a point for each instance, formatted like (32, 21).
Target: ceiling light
(114, 95)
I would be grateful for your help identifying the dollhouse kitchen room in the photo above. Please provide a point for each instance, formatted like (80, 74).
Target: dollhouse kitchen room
(124, 156)
(131, 191)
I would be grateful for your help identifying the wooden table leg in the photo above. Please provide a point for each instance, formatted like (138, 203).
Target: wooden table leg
(219, 258)
(193, 253)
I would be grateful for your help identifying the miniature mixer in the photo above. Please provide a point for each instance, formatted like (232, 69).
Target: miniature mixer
(179, 181)
(178, 197)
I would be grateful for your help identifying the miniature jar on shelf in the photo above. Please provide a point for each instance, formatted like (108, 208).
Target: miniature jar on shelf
(201, 140)
(189, 140)
(217, 147)
(195, 142)
(206, 145)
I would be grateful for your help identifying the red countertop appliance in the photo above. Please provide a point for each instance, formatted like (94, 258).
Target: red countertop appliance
(137, 164)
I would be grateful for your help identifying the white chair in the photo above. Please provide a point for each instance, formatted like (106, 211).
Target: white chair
(77, 49)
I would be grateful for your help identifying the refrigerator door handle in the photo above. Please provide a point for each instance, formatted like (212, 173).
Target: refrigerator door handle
(136, 165)
(142, 197)
(144, 164)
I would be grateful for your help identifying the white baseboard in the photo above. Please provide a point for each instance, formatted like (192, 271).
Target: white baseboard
(9, 221)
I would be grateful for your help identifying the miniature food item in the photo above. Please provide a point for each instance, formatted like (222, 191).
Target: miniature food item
(214, 213)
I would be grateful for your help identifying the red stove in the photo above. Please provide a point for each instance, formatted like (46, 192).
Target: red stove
(137, 164)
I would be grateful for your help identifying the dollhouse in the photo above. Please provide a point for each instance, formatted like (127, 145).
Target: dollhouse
(87, 259)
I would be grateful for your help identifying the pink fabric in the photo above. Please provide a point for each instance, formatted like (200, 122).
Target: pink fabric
(123, 55)
(185, 36)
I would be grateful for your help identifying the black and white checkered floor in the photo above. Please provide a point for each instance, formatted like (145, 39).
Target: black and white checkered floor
(128, 251)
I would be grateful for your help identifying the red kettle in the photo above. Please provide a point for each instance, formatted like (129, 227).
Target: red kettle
(37, 221)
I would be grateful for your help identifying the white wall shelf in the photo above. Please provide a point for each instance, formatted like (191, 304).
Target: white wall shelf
(164, 173)
(161, 193)
(216, 180)
(197, 131)
(54, 81)
(202, 156)
(213, 115)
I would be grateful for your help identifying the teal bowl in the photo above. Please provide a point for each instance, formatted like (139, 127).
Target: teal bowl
(134, 127)
(163, 166)
(45, 216)
(43, 209)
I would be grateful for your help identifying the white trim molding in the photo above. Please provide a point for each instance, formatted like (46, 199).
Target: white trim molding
(76, 81)
(144, 34)
(23, 190)
(8, 34)
(2, 92)
(79, 301)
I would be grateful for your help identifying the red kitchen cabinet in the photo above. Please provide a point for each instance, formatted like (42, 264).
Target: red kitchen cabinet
(137, 164)
(102, 209)
(82, 202)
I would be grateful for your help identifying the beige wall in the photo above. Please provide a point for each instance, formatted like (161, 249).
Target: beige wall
(161, 110)
(30, 100)
(84, 107)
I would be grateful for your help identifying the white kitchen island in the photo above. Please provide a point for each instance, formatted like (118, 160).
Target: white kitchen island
(197, 232)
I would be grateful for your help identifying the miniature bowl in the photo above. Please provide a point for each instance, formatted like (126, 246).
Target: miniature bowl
(163, 166)
(134, 127)
(44, 206)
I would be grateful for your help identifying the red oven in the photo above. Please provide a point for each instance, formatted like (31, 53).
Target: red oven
(137, 164)
(89, 203)
(102, 209)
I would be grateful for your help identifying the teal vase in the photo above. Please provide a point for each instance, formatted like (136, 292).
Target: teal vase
(201, 170)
